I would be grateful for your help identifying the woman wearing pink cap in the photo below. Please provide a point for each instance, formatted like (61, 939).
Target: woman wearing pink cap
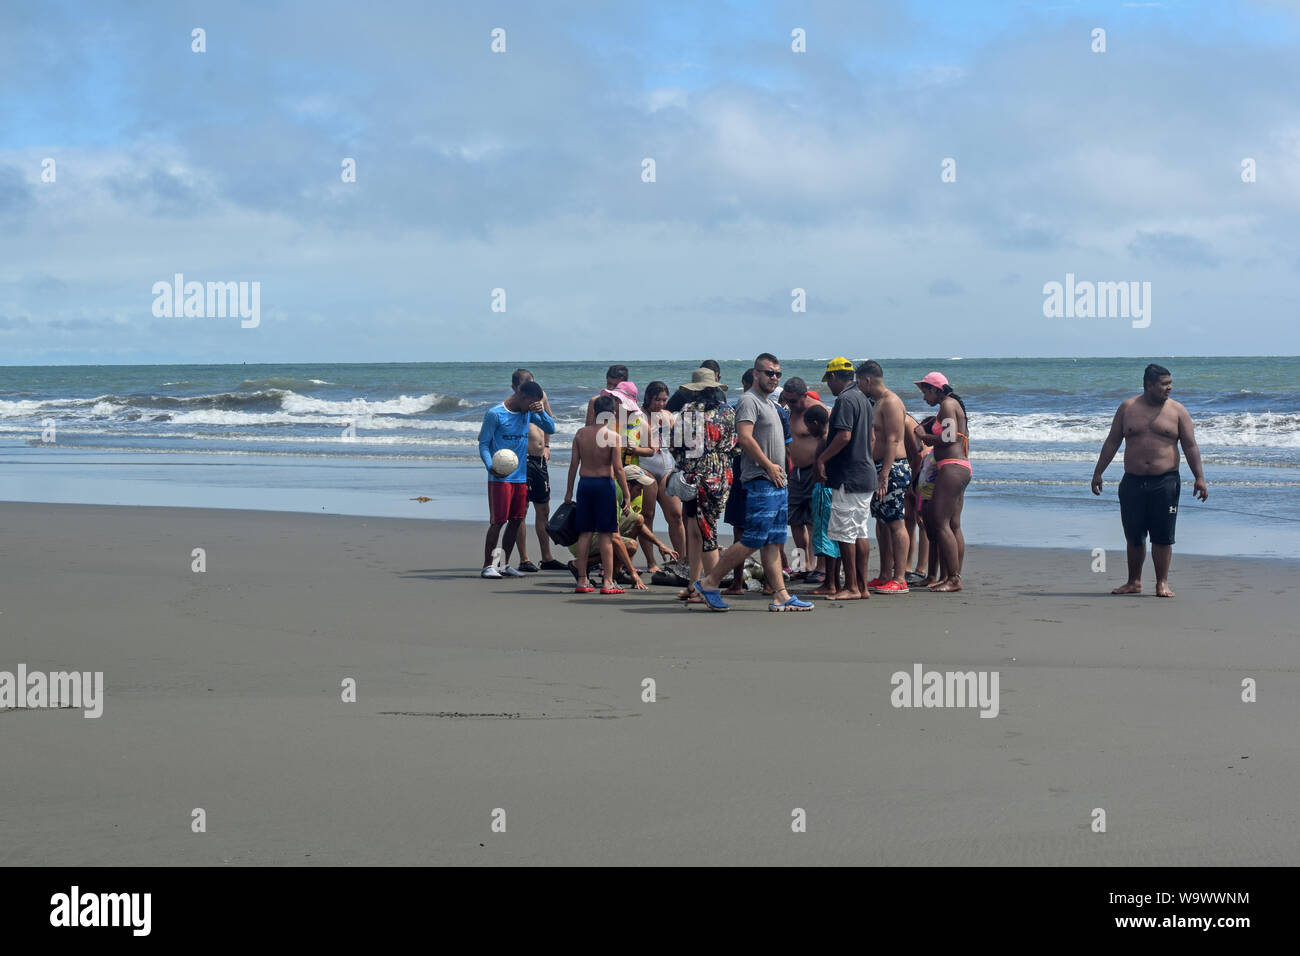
(634, 431)
(948, 435)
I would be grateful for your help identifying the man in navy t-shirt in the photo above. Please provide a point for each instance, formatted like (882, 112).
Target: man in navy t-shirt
(506, 426)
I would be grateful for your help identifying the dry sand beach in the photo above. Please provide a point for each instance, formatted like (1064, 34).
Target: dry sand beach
(223, 692)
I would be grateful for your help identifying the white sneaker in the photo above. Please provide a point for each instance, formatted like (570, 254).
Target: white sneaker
(510, 572)
(490, 572)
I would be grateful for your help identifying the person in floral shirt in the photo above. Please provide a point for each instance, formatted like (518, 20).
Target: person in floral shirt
(702, 450)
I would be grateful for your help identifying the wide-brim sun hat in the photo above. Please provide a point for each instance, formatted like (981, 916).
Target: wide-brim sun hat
(701, 379)
(638, 474)
(626, 393)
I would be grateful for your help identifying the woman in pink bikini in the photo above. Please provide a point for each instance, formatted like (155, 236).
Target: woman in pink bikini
(948, 435)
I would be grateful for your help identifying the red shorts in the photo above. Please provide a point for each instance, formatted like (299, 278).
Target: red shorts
(507, 501)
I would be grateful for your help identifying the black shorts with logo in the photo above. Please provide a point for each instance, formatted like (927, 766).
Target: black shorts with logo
(539, 480)
(1148, 504)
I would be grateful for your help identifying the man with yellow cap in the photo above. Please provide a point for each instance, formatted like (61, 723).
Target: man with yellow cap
(847, 468)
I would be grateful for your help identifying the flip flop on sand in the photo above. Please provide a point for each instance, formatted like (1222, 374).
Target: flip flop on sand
(794, 604)
(712, 598)
(612, 591)
(583, 589)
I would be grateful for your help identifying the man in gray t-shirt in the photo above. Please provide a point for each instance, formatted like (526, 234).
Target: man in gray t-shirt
(756, 408)
(762, 471)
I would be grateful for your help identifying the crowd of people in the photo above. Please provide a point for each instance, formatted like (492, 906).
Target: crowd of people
(780, 457)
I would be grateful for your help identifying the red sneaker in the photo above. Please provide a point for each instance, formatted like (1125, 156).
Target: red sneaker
(893, 587)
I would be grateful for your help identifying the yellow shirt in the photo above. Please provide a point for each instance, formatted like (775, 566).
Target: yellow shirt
(632, 434)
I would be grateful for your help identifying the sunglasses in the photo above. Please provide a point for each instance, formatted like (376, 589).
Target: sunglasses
(768, 372)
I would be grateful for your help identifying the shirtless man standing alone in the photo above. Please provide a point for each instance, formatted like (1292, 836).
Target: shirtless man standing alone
(1153, 426)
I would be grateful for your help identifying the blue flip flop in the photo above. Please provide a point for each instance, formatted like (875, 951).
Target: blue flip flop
(795, 603)
(712, 598)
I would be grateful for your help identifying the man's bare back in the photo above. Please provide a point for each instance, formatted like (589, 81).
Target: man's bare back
(597, 453)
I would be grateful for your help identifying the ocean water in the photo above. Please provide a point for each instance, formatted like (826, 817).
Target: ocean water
(280, 437)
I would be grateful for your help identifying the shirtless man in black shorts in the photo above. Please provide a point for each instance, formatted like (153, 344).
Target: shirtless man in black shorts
(1153, 426)
(539, 486)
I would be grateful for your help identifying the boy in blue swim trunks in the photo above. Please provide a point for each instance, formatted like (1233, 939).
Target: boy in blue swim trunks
(816, 418)
(596, 458)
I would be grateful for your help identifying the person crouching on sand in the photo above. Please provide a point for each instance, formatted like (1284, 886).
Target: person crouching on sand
(596, 457)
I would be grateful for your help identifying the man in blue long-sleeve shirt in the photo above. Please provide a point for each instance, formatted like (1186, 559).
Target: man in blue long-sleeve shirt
(506, 426)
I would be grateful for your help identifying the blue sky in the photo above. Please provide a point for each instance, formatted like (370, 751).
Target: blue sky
(522, 171)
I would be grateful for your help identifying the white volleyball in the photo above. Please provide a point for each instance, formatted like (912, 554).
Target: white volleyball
(504, 463)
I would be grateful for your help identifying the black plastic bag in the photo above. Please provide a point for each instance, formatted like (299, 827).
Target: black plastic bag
(563, 526)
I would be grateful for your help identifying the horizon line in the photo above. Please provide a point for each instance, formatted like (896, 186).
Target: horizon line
(626, 361)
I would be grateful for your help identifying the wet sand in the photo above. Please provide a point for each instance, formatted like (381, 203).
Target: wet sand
(223, 692)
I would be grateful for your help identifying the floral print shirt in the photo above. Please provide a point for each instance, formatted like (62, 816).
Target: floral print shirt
(703, 444)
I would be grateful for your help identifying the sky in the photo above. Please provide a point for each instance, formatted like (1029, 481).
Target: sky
(522, 170)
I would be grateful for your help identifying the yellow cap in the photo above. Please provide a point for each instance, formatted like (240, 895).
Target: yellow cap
(840, 364)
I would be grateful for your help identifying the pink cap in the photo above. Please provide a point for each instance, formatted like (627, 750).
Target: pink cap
(626, 393)
(937, 379)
